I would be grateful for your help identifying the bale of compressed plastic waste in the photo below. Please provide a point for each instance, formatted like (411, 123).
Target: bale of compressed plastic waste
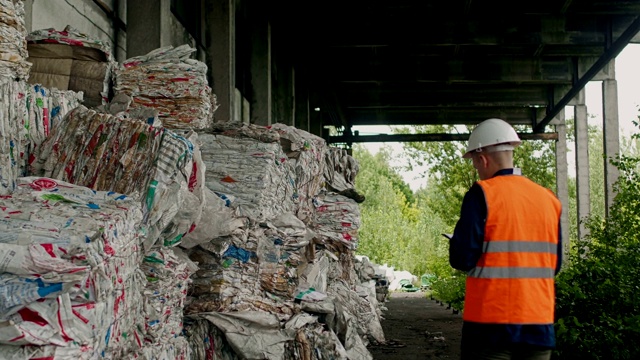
(169, 81)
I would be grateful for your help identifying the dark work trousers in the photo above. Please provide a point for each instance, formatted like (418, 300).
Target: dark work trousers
(479, 352)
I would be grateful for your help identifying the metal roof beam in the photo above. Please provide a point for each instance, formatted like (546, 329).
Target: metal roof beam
(426, 116)
(426, 137)
(608, 55)
(485, 70)
(421, 95)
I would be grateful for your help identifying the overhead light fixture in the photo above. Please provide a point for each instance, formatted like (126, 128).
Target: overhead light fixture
(317, 109)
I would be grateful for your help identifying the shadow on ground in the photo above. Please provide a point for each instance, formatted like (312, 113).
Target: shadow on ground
(416, 327)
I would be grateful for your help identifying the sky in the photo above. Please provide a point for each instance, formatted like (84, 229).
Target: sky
(627, 74)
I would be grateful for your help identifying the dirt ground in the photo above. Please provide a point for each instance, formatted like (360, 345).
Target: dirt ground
(416, 327)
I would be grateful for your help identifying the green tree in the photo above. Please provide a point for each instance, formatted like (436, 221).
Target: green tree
(450, 176)
(395, 230)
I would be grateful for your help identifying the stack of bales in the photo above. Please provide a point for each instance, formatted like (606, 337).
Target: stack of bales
(283, 271)
(247, 171)
(14, 70)
(170, 90)
(167, 80)
(306, 153)
(168, 272)
(89, 271)
(268, 214)
(154, 165)
(13, 47)
(70, 274)
(69, 60)
(46, 109)
(124, 148)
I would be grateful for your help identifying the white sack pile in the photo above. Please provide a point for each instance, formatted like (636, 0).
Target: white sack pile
(175, 197)
(206, 340)
(13, 111)
(261, 335)
(341, 170)
(166, 79)
(248, 168)
(168, 272)
(350, 308)
(268, 284)
(46, 110)
(101, 152)
(371, 282)
(70, 275)
(253, 269)
(306, 153)
(250, 176)
(13, 46)
(337, 214)
(328, 320)
(153, 165)
(337, 218)
(313, 340)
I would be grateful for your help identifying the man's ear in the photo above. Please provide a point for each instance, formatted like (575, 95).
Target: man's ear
(484, 160)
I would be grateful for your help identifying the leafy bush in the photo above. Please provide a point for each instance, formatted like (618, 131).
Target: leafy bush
(598, 313)
(450, 289)
(400, 232)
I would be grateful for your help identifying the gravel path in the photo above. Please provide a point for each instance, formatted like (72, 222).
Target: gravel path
(416, 327)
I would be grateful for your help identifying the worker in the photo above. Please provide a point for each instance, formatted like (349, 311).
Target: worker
(508, 241)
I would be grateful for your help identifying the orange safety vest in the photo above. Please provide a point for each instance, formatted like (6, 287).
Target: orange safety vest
(512, 282)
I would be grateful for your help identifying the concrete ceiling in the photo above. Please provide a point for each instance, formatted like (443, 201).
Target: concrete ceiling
(412, 62)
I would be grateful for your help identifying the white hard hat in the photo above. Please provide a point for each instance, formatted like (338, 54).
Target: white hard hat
(492, 132)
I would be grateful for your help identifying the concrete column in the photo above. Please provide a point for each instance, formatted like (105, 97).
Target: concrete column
(288, 92)
(582, 162)
(220, 45)
(144, 26)
(282, 74)
(246, 111)
(293, 96)
(237, 108)
(301, 91)
(315, 117)
(28, 15)
(282, 100)
(562, 179)
(279, 75)
(260, 66)
(611, 135)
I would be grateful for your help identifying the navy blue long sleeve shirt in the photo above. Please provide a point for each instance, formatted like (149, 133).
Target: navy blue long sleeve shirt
(465, 249)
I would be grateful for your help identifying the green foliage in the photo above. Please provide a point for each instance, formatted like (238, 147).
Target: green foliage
(395, 230)
(537, 159)
(450, 289)
(596, 166)
(598, 315)
(450, 176)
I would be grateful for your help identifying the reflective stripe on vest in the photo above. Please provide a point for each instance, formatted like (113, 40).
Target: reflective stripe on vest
(511, 273)
(512, 282)
(520, 246)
